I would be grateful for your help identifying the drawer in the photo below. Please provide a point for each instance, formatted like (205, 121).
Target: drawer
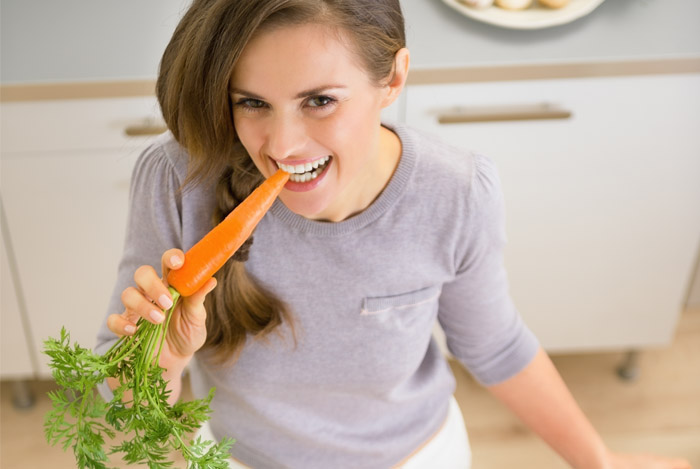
(83, 124)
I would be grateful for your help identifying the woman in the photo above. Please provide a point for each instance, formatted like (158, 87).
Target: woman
(318, 337)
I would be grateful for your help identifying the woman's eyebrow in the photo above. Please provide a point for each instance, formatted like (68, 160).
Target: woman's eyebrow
(318, 90)
(304, 94)
(245, 93)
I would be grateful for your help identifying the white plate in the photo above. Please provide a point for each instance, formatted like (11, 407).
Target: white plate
(534, 17)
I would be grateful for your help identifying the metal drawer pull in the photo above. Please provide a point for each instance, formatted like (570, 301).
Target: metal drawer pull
(465, 115)
(142, 130)
(149, 126)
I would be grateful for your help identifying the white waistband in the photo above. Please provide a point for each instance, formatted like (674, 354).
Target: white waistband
(447, 449)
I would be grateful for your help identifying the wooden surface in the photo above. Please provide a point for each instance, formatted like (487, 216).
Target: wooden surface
(660, 412)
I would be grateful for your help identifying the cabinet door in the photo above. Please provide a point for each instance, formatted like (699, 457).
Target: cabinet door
(602, 207)
(15, 353)
(66, 206)
(67, 215)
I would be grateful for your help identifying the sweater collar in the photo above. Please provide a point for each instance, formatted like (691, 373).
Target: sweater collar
(386, 199)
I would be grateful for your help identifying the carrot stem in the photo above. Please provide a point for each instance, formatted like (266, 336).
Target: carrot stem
(176, 296)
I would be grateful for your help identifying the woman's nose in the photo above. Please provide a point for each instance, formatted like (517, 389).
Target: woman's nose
(285, 137)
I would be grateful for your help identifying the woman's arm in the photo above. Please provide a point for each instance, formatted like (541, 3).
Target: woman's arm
(540, 398)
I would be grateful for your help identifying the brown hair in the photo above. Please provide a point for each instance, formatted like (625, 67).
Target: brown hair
(193, 91)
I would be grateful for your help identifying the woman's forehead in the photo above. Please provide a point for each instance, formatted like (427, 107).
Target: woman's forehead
(300, 52)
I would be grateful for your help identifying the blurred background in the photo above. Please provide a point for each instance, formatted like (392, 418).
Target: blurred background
(591, 114)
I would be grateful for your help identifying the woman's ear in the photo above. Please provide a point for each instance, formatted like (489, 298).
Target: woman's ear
(398, 77)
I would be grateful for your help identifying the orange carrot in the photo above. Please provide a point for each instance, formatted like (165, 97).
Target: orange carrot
(206, 257)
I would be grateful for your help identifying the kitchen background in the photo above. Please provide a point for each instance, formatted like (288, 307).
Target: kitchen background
(593, 125)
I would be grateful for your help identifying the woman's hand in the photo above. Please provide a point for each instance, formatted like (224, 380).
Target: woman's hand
(645, 461)
(187, 330)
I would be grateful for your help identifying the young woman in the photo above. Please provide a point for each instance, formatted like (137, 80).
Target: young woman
(318, 336)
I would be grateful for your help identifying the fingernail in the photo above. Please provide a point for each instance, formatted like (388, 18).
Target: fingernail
(175, 261)
(157, 316)
(164, 301)
(129, 329)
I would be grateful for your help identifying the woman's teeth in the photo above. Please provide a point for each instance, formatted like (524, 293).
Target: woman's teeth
(305, 172)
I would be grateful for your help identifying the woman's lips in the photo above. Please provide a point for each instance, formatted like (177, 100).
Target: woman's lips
(311, 184)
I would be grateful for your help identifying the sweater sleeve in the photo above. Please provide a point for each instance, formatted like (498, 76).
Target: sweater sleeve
(483, 329)
(153, 226)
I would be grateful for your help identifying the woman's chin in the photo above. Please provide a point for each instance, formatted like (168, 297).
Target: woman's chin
(311, 208)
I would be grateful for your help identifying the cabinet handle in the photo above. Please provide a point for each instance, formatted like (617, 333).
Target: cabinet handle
(545, 111)
(145, 129)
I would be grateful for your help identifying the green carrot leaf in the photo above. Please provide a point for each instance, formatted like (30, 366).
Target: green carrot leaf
(151, 428)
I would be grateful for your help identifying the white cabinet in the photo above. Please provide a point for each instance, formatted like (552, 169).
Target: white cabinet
(66, 167)
(603, 207)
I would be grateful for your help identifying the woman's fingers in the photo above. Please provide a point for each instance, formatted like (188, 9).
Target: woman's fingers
(152, 286)
(135, 302)
(120, 324)
(172, 259)
(647, 461)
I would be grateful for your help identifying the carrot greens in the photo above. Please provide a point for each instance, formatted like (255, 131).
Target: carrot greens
(150, 427)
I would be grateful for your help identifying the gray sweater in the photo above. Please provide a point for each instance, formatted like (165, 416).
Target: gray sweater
(365, 383)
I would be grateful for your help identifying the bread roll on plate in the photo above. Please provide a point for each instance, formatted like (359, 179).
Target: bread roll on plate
(554, 3)
(514, 4)
(478, 3)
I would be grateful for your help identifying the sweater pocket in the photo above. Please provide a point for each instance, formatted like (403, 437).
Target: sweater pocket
(393, 334)
(403, 310)
(402, 301)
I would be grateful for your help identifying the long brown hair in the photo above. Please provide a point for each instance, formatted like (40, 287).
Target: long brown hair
(193, 91)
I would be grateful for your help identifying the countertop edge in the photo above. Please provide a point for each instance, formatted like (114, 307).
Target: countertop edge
(554, 70)
(76, 90)
(419, 76)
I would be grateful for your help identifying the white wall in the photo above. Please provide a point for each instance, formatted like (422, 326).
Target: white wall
(78, 40)
(81, 40)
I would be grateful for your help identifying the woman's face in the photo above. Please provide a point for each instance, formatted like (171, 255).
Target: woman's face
(303, 102)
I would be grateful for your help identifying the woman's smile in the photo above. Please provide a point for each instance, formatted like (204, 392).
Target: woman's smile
(305, 176)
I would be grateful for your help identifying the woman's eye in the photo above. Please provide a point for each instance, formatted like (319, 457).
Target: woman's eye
(249, 103)
(320, 101)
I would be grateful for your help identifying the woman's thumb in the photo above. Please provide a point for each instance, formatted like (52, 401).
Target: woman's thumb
(197, 298)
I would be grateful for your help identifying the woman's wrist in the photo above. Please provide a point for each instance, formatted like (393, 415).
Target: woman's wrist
(173, 363)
